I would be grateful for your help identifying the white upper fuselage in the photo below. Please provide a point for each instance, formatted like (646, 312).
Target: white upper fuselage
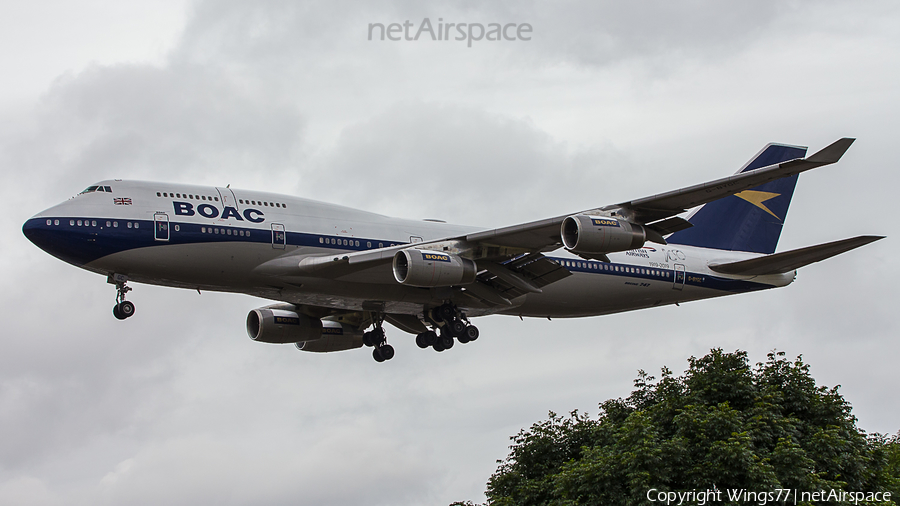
(212, 238)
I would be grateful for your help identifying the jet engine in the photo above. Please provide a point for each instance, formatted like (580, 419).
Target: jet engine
(281, 324)
(335, 337)
(600, 234)
(425, 268)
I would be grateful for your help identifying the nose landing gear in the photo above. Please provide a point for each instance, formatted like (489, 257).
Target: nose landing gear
(123, 308)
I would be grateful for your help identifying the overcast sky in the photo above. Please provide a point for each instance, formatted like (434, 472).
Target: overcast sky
(607, 102)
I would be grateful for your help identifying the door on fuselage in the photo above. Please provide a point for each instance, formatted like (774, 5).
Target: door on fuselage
(227, 197)
(278, 238)
(679, 277)
(161, 226)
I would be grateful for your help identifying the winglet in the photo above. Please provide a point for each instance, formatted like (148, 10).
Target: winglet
(832, 152)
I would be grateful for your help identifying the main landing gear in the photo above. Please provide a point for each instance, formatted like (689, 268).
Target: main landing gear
(451, 323)
(123, 308)
(375, 338)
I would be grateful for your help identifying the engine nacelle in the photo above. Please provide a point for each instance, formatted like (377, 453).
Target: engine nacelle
(415, 267)
(335, 337)
(281, 324)
(600, 234)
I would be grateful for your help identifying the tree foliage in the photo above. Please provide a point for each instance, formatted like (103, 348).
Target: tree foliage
(723, 423)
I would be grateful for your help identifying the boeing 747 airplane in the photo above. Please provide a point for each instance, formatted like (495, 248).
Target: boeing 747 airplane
(340, 273)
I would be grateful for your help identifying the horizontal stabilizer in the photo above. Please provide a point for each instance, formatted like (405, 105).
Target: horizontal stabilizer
(780, 263)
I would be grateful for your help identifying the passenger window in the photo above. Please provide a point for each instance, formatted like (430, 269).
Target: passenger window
(158, 194)
(129, 224)
(56, 222)
(368, 244)
(137, 224)
(93, 223)
(108, 224)
(177, 228)
(321, 240)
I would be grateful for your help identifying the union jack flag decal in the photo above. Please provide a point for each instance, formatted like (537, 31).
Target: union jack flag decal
(122, 201)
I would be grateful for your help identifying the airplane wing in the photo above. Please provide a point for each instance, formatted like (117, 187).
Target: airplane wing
(510, 262)
(787, 261)
(659, 211)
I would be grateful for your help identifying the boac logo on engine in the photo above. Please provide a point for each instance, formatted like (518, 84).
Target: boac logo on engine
(211, 211)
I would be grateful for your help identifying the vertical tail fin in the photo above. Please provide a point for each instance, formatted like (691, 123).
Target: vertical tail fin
(750, 220)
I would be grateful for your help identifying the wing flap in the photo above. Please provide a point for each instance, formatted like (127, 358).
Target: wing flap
(787, 261)
(538, 270)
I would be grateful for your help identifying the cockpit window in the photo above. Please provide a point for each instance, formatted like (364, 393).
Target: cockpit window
(90, 189)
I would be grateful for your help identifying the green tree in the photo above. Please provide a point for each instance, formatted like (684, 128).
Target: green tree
(722, 424)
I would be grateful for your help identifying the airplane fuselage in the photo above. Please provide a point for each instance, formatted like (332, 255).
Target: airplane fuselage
(223, 239)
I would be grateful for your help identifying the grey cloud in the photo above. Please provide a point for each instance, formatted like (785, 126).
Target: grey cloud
(184, 123)
(454, 162)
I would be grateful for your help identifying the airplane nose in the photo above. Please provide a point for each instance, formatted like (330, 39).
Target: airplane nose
(32, 230)
(49, 236)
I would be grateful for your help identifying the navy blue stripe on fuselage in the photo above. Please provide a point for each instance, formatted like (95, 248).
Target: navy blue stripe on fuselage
(93, 239)
(658, 274)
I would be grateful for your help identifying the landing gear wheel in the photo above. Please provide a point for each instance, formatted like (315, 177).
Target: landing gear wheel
(456, 327)
(376, 354)
(123, 310)
(126, 309)
(446, 312)
(471, 333)
(374, 337)
(426, 339)
(438, 346)
(446, 342)
(386, 352)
